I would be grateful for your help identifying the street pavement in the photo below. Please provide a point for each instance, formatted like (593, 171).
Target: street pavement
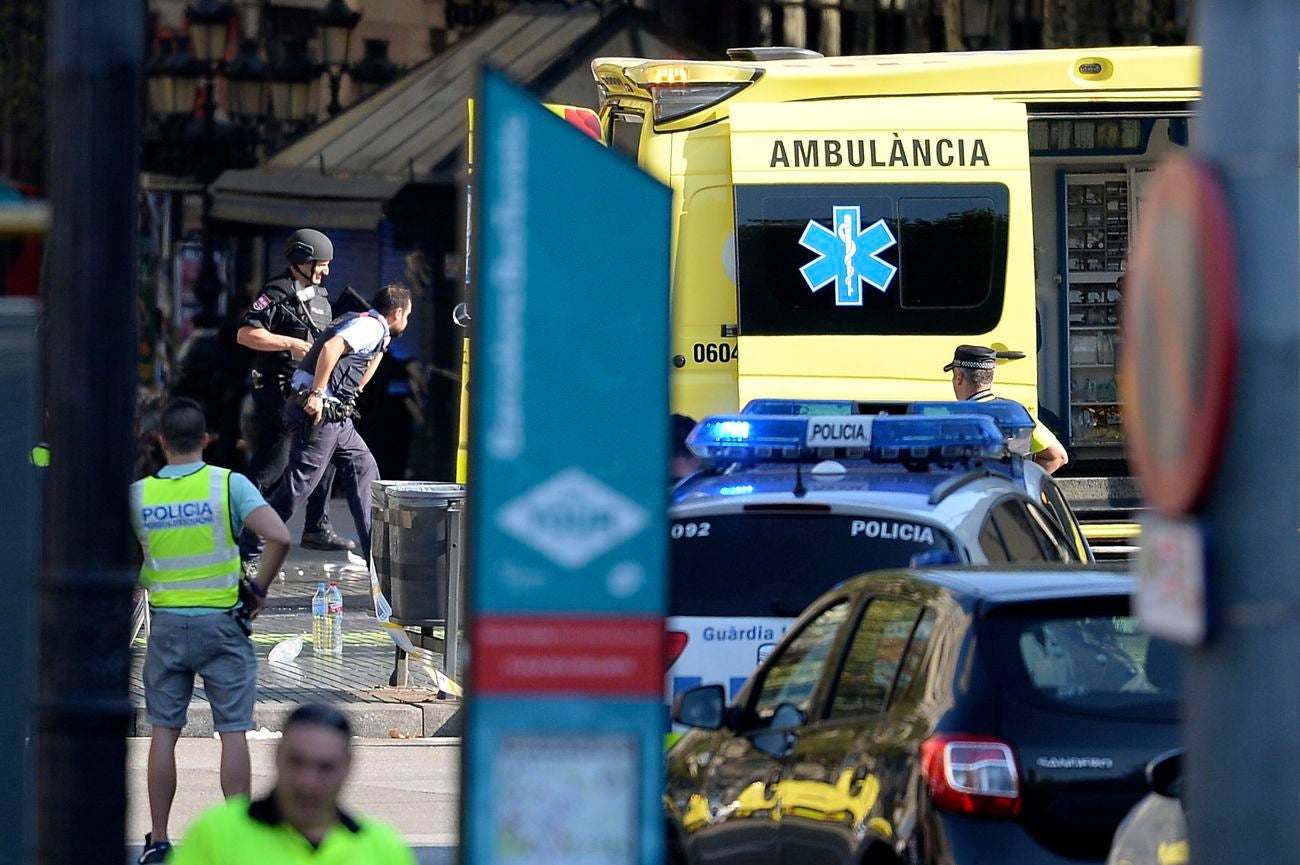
(358, 680)
(412, 786)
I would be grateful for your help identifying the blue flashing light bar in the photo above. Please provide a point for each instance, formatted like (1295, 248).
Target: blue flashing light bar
(902, 438)
(883, 438)
(748, 437)
(800, 407)
(737, 490)
(1010, 416)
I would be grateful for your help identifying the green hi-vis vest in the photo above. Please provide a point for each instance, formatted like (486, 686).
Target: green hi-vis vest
(190, 557)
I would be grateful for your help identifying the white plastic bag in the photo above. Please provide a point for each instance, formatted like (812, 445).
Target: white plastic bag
(286, 651)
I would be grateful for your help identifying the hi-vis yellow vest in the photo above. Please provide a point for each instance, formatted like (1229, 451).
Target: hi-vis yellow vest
(190, 557)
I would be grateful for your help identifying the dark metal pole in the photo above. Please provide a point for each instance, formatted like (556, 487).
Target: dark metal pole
(1243, 694)
(208, 287)
(96, 53)
(20, 551)
(336, 79)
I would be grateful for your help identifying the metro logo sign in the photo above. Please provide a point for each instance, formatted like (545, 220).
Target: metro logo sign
(572, 518)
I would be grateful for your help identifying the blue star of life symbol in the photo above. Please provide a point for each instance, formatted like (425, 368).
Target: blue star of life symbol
(848, 255)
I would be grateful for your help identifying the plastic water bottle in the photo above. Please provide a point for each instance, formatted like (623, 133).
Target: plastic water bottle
(320, 632)
(335, 609)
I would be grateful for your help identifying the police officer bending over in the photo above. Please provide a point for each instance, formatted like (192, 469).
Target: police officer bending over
(972, 378)
(327, 382)
(291, 312)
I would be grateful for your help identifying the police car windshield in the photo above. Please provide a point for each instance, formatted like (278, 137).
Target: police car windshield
(775, 564)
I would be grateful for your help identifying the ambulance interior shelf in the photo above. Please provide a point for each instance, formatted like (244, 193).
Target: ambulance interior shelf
(1096, 240)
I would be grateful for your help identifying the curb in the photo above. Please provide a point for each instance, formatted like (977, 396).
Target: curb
(441, 719)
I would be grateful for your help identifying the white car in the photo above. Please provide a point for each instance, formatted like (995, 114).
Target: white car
(755, 538)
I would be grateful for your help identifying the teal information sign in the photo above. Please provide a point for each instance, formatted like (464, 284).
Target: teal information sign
(567, 494)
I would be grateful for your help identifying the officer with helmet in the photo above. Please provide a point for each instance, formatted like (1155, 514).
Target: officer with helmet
(285, 319)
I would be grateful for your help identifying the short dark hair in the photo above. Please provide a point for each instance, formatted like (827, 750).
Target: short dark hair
(319, 715)
(183, 425)
(682, 426)
(389, 298)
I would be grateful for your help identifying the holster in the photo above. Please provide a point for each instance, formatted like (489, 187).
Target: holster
(331, 409)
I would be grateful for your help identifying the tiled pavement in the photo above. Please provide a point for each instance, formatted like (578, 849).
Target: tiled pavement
(358, 679)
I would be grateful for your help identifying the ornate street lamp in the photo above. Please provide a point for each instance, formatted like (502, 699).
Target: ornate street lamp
(247, 76)
(295, 84)
(374, 70)
(161, 85)
(209, 25)
(977, 23)
(336, 21)
(184, 74)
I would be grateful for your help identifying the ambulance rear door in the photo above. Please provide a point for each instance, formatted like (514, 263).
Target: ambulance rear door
(872, 236)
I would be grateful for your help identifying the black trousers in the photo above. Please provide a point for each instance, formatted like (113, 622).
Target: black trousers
(272, 439)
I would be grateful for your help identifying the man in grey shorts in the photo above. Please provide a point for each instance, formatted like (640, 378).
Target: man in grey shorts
(187, 518)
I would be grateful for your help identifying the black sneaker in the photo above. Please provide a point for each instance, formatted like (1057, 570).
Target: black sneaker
(154, 853)
(328, 540)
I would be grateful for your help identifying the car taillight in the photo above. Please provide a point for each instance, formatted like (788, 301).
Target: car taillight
(674, 645)
(971, 775)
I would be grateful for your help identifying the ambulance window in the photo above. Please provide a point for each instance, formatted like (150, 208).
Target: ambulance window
(947, 251)
(625, 132)
(880, 258)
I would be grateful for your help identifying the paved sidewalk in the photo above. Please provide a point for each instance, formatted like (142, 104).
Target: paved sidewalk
(414, 787)
(358, 679)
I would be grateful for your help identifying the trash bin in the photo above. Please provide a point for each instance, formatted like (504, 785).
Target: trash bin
(380, 520)
(420, 542)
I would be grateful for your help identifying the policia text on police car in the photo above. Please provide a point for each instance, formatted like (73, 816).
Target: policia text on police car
(289, 314)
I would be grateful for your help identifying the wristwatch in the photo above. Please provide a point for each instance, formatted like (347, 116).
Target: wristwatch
(316, 391)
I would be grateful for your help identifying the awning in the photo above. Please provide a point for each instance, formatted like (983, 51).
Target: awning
(341, 173)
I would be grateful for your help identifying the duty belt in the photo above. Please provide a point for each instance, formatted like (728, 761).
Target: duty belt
(331, 409)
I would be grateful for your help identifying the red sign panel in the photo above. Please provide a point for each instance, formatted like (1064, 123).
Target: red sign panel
(546, 655)
(1180, 331)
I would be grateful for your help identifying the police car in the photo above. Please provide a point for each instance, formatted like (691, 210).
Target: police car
(791, 503)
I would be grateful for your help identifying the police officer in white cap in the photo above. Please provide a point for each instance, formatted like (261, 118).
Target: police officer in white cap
(972, 379)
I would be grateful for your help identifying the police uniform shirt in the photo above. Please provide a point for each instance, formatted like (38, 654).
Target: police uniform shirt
(285, 308)
(363, 334)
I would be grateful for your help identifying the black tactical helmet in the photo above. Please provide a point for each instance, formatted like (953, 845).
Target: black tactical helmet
(308, 244)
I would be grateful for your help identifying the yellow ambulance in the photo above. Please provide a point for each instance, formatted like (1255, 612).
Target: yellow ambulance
(841, 223)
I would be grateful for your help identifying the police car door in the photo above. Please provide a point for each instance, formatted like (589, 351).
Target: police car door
(873, 235)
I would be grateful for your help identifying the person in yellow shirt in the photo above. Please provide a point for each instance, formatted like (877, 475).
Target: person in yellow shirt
(299, 821)
(972, 379)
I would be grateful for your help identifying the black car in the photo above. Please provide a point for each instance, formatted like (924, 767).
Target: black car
(937, 716)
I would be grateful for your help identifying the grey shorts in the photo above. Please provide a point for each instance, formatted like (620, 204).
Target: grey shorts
(214, 646)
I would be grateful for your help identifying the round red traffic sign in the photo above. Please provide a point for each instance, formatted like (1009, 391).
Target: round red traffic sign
(1179, 328)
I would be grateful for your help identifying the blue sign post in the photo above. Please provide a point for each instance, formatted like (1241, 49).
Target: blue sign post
(567, 496)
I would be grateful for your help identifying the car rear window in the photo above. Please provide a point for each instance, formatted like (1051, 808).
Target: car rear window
(1087, 655)
(775, 564)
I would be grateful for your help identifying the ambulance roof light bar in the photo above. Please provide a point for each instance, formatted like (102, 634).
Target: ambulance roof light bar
(884, 438)
(680, 89)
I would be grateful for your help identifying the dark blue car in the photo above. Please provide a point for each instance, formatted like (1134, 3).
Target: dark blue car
(948, 716)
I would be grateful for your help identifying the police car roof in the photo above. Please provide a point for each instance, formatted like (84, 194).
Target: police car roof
(860, 477)
(1011, 583)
